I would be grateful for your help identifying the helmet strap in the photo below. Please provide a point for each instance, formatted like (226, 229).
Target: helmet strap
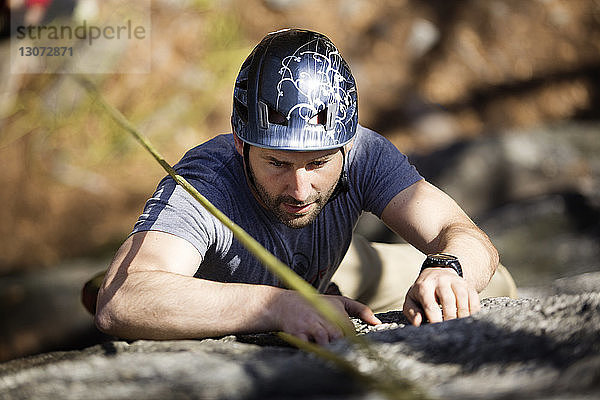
(343, 184)
(249, 174)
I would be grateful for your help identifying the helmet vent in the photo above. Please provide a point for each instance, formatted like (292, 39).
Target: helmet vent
(325, 117)
(241, 110)
(275, 117)
(320, 118)
(331, 112)
(268, 115)
(242, 84)
(263, 115)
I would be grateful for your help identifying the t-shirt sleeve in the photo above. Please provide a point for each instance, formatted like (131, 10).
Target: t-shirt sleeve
(173, 210)
(379, 171)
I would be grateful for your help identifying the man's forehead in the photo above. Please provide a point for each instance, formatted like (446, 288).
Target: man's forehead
(285, 155)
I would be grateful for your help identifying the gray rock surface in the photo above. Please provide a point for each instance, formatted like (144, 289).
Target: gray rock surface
(577, 284)
(531, 348)
(494, 170)
(547, 237)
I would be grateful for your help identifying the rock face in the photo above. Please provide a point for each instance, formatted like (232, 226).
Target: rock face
(492, 171)
(532, 348)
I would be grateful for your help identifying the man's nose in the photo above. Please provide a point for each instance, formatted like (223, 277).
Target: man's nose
(300, 185)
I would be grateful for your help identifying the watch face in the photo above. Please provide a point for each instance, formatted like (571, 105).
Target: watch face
(444, 258)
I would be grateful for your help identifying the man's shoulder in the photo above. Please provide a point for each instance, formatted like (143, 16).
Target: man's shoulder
(221, 146)
(209, 160)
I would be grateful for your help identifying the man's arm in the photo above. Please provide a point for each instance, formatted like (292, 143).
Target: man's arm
(149, 292)
(432, 222)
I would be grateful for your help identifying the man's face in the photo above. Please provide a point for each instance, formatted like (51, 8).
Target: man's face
(294, 185)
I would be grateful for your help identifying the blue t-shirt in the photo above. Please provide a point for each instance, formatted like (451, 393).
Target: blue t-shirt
(376, 170)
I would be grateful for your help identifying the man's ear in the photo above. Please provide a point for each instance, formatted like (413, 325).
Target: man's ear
(239, 144)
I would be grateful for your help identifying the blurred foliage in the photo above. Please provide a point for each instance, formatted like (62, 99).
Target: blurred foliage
(73, 180)
(429, 73)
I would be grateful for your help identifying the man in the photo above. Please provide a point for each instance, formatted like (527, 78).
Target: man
(296, 174)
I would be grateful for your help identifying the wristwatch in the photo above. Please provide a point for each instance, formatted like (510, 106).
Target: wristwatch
(442, 260)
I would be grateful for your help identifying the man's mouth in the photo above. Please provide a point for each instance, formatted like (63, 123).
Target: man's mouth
(297, 209)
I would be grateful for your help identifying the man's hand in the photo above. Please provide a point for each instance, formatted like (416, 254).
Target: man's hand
(295, 316)
(437, 287)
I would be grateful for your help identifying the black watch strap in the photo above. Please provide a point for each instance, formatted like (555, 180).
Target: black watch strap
(442, 260)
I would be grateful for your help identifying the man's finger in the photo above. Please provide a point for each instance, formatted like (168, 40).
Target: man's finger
(301, 336)
(412, 312)
(320, 335)
(333, 332)
(474, 304)
(357, 309)
(430, 305)
(330, 332)
(447, 298)
(462, 301)
(418, 318)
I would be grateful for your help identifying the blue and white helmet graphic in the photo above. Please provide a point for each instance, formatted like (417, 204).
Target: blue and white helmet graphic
(295, 92)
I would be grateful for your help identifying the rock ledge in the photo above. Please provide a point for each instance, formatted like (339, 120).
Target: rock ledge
(530, 348)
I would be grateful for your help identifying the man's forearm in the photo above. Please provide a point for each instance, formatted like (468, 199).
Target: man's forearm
(477, 255)
(163, 305)
(432, 222)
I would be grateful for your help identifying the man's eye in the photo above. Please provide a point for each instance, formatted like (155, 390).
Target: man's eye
(276, 163)
(318, 163)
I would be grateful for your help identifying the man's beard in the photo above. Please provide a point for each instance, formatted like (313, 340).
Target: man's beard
(273, 204)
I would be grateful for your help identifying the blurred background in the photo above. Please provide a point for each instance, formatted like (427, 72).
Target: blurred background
(497, 102)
